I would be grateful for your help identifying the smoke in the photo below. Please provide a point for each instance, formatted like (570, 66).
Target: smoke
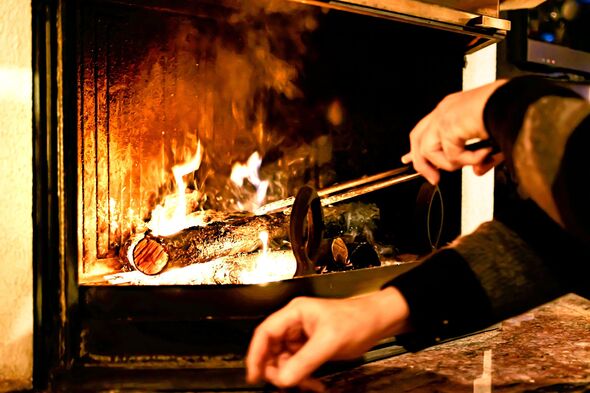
(209, 78)
(228, 73)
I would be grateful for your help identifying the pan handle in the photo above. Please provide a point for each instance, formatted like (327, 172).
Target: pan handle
(306, 229)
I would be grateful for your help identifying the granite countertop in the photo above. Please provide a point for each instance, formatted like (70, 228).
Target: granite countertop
(544, 350)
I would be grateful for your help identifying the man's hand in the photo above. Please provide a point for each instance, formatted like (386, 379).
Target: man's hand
(438, 140)
(293, 342)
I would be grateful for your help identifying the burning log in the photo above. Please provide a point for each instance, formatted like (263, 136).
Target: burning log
(153, 254)
(253, 268)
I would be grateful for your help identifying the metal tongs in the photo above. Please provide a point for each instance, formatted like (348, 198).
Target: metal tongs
(347, 190)
(306, 224)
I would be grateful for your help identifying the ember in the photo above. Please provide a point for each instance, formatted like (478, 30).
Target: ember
(237, 269)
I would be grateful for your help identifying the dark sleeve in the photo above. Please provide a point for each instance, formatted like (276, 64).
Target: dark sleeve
(490, 275)
(445, 299)
(524, 257)
(506, 108)
(570, 186)
(544, 132)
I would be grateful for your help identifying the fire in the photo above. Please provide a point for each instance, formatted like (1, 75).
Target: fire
(269, 266)
(257, 268)
(190, 86)
(241, 172)
(171, 217)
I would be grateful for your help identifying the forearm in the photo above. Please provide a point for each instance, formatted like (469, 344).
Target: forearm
(524, 258)
(519, 261)
(393, 322)
(444, 297)
(514, 275)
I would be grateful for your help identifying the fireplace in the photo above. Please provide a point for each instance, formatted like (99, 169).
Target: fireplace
(145, 106)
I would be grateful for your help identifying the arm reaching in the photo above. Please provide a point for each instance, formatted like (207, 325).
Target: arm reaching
(293, 342)
(537, 247)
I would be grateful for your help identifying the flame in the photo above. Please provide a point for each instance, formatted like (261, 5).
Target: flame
(171, 217)
(269, 266)
(241, 172)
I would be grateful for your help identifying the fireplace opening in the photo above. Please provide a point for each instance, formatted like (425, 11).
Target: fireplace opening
(189, 120)
(166, 129)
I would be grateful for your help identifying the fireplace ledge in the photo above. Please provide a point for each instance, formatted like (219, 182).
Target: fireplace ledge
(546, 349)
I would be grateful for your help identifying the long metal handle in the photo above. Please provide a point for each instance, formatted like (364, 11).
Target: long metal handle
(365, 189)
(361, 181)
(347, 190)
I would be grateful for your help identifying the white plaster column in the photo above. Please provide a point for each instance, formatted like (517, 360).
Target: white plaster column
(16, 197)
(477, 192)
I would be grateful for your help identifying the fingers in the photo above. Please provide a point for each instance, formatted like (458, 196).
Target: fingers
(438, 140)
(465, 157)
(307, 384)
(420, 143)
(268, 341)
(407, 158)
(429, 172)
(298, 367)
(429, 161)
(425, 168)
(488, 164)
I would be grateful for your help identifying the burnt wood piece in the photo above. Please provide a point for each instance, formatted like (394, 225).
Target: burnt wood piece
(153, 254)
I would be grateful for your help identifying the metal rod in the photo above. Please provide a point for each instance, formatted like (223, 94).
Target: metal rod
(361, 181)
(367, 189)
(276, 206)
(346, 190)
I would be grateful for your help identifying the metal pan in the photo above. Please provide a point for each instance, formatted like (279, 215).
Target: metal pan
(229, 301)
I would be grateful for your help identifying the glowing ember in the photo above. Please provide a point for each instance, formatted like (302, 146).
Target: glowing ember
(172, 217)
(241, 172)
(242, 269)
(268, 266)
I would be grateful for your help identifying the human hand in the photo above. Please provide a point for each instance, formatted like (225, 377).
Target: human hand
(439, 140)
(294, 341)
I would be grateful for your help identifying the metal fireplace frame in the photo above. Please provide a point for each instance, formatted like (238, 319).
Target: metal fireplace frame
(61, 306)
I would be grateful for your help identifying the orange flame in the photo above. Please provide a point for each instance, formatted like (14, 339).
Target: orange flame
(171, 217)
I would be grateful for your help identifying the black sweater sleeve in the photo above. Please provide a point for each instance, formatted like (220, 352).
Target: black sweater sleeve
(544, 132)
(535, 251)
(505, 110)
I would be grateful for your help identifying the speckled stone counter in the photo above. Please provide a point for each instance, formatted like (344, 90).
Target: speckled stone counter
(545, 350)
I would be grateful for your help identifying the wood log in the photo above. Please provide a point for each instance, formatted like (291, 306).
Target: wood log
(232, 269)
(153, 254)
